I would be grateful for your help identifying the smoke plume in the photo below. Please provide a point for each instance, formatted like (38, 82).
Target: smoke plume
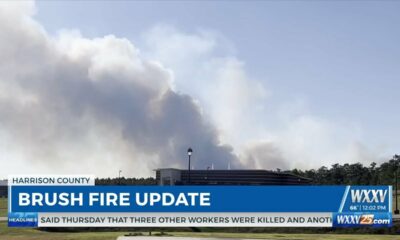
(73, 104)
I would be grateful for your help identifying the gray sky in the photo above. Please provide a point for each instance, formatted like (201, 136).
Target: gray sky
(285, 83)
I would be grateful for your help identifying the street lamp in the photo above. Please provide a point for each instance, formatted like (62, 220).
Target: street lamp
(396, 211)
(189, 152)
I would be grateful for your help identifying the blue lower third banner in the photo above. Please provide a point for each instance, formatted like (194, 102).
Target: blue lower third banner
(208, 206)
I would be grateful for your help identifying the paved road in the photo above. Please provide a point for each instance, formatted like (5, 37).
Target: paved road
(3, 219)
(172, 238)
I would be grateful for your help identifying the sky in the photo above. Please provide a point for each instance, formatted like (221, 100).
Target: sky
(247, 84)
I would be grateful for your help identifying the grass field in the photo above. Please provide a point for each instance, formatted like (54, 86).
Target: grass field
(3, 207)
(276, 236)
(7, 233)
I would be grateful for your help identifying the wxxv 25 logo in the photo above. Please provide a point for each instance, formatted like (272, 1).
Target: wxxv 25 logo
(365, 206)
(360, 219)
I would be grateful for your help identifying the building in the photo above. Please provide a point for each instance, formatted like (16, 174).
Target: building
(3, 188)
(173, 176)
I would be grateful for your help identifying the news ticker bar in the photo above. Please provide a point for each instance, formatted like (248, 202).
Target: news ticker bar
(184, 219)
(200, 220)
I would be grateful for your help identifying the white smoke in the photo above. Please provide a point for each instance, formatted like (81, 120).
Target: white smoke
(70, 104)
(286, 135)
(73, 104)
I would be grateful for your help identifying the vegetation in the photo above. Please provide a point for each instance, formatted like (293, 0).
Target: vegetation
(284, 236)
(3, 207)
(126, 181)
(353, 174)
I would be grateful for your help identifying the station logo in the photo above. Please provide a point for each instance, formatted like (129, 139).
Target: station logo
(358, 219)
(368, 195)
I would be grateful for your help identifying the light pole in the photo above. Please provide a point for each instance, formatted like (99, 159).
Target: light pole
(189, 152)
(119, 176)
(208, 168)
(396, 211)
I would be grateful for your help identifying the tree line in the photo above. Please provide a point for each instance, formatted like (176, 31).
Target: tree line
(353, 174)
(126, 181)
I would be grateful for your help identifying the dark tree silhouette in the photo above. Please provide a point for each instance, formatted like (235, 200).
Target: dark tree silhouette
(353, 174)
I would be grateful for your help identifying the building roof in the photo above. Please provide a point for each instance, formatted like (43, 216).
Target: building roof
(237, 177)
(177, 169)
